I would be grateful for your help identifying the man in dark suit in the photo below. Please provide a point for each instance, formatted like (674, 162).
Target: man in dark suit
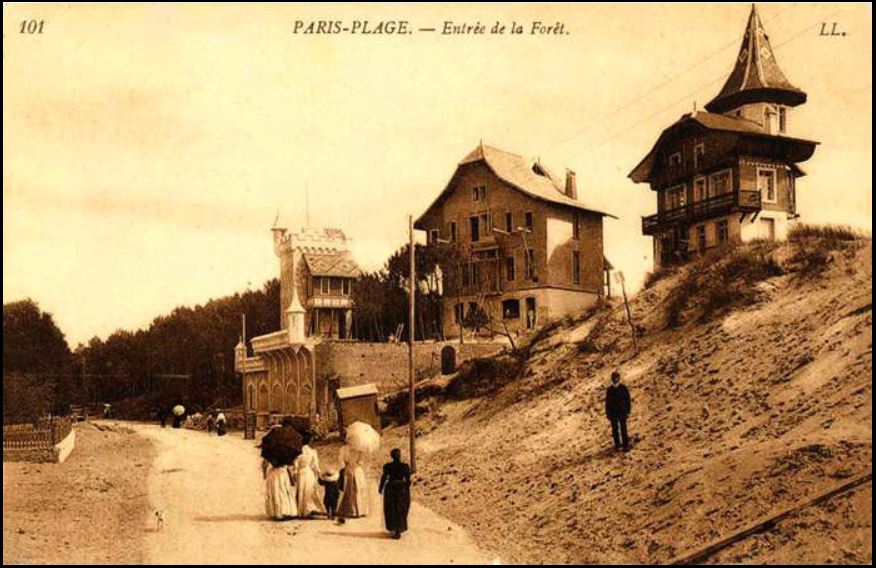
(617, 408)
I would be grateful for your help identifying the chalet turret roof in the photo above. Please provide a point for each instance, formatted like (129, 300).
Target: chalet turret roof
(756, 76)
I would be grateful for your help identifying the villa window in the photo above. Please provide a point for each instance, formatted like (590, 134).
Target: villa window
(528, 220)
(479, 193)
(701, 237)
(433, 236)
(576, 267)
(510, 269)
(783, 119)
(474, 225)
(324, 285)
(452, 231)
(345, 286)
(511, 309)
(509, 222)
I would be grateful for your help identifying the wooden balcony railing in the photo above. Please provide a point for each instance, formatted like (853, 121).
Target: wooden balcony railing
(743, 201)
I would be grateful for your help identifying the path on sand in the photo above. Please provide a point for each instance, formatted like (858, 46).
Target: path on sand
(211, 493)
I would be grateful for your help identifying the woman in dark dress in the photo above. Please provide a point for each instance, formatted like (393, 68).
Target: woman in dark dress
(395, 484)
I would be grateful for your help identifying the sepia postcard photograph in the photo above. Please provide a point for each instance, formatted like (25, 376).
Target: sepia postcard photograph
(437, 283)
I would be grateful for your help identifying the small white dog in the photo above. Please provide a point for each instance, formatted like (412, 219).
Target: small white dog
(159, 520)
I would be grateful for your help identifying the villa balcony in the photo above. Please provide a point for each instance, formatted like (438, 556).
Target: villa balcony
(744, 201)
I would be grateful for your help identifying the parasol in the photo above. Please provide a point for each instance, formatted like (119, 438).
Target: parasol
(281, 446)
(362, 437)
(179, 410)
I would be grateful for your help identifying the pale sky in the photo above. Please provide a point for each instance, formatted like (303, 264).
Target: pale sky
(148, 148)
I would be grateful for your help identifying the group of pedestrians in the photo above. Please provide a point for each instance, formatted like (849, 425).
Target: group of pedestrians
(303, 490)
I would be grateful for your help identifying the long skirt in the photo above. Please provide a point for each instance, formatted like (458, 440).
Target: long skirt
(279, 494)
(354, 500)
(308, 494)
(396, 504)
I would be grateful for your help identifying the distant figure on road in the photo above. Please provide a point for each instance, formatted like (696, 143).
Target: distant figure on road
(395, 484)
(617, 407)
(162, 417)
(221, 424)
(210, 421)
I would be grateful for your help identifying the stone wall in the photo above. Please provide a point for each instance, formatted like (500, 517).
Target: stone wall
(386, 364)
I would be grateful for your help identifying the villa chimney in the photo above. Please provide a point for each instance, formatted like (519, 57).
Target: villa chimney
(571, 185)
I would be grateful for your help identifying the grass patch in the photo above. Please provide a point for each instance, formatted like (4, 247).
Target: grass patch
(652, 278)
(724, 278)
(814, 246)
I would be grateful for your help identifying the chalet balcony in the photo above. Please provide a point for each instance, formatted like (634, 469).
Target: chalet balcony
(744, 201)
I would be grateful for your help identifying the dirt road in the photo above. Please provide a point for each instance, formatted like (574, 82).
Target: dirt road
(211, 494)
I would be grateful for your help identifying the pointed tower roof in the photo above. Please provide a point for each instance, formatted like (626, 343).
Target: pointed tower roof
(756, 76)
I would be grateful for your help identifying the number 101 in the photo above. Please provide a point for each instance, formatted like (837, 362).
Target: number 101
(32, 26)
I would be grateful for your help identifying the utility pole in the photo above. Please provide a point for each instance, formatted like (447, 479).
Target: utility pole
(620, 279)
(411, 330)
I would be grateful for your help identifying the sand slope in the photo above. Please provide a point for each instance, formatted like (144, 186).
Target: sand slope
(732, 419)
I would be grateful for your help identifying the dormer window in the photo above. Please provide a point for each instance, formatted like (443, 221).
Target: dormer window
(479, 193)
(675, 160)
(699, 152)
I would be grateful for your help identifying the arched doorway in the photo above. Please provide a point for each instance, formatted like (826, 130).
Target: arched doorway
(448, 360)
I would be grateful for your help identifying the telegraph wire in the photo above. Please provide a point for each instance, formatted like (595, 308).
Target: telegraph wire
(710, 83)
(650, 92)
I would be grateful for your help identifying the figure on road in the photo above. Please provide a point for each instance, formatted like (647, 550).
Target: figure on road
(332, 485)
(307, 473)
(617, 408)
(395, 485)
(279, 492)
(354, 500)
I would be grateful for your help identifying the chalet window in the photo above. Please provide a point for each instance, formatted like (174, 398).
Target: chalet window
(530, 265)
(474, 225)
(675, 197)
(783, 119)
(720, 183)
(433, 236)
(699, 152)
(453, 231)
(510, 269)
(528, 220)
(509, 222)
(466, 275)
(721, 230)
(701, 237)
(324, 285)
(699, 189)
(576, 226)
(766, 184)
(511, 309)
(675, 160)
(345, 286)
(479, 193)
(576, 268)
(769, 120)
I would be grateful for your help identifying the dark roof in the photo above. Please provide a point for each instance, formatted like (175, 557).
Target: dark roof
(339, 264)
(756, 76)
(711, 121)
(526, 176)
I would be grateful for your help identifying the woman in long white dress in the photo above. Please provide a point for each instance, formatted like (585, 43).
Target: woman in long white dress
(354, 500)
(309, 499)
(279, 492)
